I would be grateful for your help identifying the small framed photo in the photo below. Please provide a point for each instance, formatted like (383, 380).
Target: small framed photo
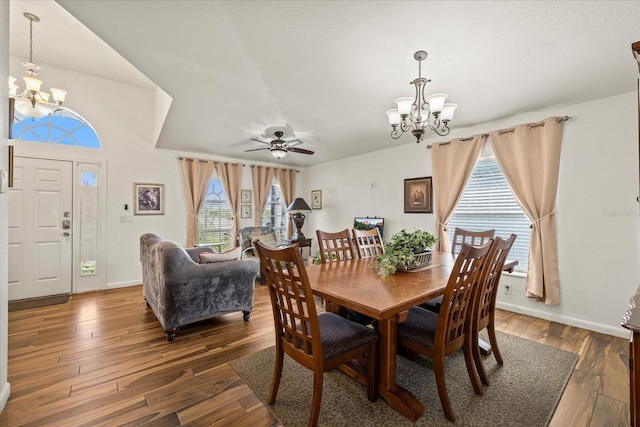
(245, 211)
(316, 199)
(245, 196)
(148, 199)
(418, 197)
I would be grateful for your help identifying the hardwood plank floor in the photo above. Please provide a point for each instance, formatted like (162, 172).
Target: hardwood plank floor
(102, 359)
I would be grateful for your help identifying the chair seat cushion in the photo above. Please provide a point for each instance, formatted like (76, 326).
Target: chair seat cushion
(340, 335)
(433, 305)
(420, 327)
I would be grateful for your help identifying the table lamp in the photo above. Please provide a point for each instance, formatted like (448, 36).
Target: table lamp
(296, 208)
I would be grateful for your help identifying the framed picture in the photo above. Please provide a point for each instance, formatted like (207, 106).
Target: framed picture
(245, 211)
(418, 197)
(245, 197)
(148, 199)
(316, 199)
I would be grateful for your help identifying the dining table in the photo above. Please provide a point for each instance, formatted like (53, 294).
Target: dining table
(355, 285)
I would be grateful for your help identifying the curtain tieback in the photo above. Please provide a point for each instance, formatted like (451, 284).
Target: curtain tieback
(444, 226)
(543, 217)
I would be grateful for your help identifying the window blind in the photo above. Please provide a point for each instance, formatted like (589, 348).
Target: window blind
(488, 202)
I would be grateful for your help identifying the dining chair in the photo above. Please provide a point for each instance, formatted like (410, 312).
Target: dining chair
(368, 242)
(335, 246)
(319, 342)
(485, 304)
(461, 236)
(473, 238)
(438, 335)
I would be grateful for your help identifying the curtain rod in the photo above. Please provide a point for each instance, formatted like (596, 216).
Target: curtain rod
(275, 169)
(501, 131)
(205, 161)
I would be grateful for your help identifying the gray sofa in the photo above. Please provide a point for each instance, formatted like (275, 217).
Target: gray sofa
(181, 291)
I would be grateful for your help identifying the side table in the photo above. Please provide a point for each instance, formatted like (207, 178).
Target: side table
(302, 244)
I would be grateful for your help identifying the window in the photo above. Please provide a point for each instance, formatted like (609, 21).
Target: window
(488, 202)
(275, 212)
(214, 218)
(56, 129)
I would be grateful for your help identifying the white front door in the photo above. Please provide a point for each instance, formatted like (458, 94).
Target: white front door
(40, 225)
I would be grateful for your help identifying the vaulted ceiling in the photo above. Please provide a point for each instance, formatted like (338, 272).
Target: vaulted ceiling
(331, 69)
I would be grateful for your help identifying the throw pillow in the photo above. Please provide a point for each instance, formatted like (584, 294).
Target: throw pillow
(230, 255)
(267, 240)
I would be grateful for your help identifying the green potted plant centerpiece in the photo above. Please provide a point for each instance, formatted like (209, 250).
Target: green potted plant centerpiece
(405, 251)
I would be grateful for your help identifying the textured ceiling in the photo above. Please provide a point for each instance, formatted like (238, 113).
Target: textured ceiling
(331, 69)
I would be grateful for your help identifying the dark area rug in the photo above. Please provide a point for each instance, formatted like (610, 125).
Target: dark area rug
(524, 392)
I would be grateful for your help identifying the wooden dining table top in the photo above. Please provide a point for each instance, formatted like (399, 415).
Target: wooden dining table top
(354, 284)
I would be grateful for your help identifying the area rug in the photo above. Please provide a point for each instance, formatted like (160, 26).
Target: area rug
(523, 392)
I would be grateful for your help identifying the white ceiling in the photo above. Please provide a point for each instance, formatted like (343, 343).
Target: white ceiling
(331, 69)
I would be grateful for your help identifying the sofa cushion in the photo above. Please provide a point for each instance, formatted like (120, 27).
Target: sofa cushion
(267, 240)
(230, 255)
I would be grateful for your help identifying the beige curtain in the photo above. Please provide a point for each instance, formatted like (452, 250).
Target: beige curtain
(529, 156)
(230, 174)
(287, 180)
(262, 180)
(196, 174)
(451, 164)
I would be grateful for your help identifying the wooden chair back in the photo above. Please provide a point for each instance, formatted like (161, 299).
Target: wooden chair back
(474, 238)
(294, 311)
(467, 275)
(485, 303)
(368, 242)
(335, 246)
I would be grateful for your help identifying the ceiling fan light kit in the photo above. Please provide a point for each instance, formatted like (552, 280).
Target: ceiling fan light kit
(420, 113)
(279, 147)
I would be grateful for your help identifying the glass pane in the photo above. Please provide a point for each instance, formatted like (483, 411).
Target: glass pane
(62, 130)
(275, 212)
(88, 223)
(215, 218)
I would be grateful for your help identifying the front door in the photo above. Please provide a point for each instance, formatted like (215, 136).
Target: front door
(40, 225)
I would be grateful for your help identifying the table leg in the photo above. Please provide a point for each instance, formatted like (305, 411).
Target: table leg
(397, 397)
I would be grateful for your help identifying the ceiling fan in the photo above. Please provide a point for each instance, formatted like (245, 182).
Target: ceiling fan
(279, 147)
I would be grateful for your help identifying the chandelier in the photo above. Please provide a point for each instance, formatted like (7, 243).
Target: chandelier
(33, 102)
(419, 113)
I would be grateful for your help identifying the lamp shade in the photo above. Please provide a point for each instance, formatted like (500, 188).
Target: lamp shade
(299, 205)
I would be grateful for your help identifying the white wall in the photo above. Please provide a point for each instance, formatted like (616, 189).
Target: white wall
(124, 118)
(4, 236)
(597, 210)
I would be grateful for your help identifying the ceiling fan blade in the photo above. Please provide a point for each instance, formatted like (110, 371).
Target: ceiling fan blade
(293, 143)
(300, 150)
(257, 140)
(256, 149)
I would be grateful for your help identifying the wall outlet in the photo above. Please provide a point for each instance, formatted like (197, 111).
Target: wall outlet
(507, 289)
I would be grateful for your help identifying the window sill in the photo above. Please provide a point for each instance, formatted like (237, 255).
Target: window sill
(515, 274)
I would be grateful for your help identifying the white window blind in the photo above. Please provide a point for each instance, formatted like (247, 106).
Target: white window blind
(275, 212)
(214, 218)
(487, 203)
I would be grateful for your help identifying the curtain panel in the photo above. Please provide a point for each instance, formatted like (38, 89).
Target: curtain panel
(529, 156)
(230, 174)
(196, 174)
(452, 164)
(287, 180)
(262, 180)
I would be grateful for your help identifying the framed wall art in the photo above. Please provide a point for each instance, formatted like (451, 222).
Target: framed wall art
(316, 199)
(245, 211)
(148, 199)
(245, 196)
(418, 197)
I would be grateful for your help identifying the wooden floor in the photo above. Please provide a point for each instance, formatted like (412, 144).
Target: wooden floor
(102, 359)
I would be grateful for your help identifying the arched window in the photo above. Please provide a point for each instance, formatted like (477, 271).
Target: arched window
(63, 127)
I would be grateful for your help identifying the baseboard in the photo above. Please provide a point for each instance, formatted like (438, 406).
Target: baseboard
(116, 285)
(38, 302)
(4, 395)
(571, 321)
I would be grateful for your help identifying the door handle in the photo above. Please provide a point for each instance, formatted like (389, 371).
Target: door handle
(66, 224)
(66, 234)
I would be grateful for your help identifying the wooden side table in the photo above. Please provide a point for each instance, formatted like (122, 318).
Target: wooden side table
(302, 243)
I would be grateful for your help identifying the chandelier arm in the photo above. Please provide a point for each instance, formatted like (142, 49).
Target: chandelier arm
(395, 134)
(406, 125)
